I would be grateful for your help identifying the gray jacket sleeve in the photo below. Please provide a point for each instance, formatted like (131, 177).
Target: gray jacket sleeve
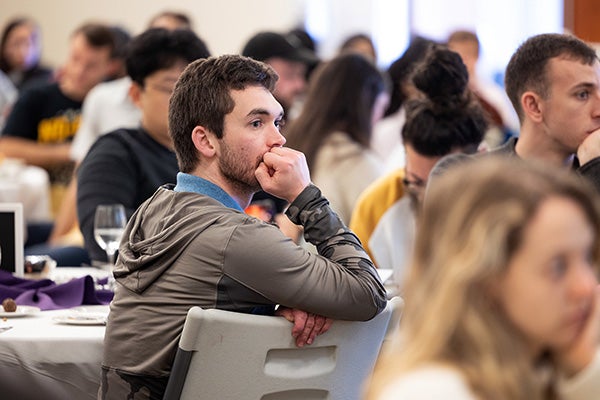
(340, 282)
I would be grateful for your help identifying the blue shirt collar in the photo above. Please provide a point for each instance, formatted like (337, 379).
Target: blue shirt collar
(195, 184)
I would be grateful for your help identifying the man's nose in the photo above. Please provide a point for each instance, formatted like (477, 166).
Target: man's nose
(596, 109)
(276, 138)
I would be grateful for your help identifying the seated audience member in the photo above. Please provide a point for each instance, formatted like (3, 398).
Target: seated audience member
(347, 95)
(360, 43)
(502, 117)
(447, 120)
(552, 82)
(45, 118)
(20, 51)
(62, 239)
(192, 244)
(386, 140)
(108, 106)
(127, 165)
(502, 298)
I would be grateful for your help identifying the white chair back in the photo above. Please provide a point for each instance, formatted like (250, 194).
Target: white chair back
(231, 356)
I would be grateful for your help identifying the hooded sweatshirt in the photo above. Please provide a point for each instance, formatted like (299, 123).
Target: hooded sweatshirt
(197, 248)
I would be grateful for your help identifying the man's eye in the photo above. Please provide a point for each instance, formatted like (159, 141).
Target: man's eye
(280, 123)
(583, 95)
(256, 124)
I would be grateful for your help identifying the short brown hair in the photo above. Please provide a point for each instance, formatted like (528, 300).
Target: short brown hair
(97, 35)
(526, 69)
(202, 97)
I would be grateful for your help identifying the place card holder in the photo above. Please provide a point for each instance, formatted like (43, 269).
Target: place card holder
(11, 238)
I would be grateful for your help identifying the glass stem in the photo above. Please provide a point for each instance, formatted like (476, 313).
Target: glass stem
(111, 257)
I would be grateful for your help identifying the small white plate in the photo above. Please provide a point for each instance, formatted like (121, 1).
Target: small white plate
(96, 309)
(22, 311)
(79, 318)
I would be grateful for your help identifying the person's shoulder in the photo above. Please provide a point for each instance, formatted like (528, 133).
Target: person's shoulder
(115, 89)
(388, 188)
(447, 163)
(113, 141)
(431, 383)
(340, 152)
(378, 198)
(40, 92)
(507, 148)
(120, 135)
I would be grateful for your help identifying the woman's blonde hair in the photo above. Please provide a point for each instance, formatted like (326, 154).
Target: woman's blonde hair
(472, 223)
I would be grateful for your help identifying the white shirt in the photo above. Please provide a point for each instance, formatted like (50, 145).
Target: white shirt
(429, 383)
(106, 107)
(392, 241)
(436, 382)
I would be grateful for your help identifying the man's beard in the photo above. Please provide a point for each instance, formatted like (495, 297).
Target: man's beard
(238, 172)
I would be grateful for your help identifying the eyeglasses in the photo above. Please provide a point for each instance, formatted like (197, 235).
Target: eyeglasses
(163, 89)
(416, 184)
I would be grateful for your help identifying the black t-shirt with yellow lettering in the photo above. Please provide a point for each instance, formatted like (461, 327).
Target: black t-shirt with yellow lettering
(46, 115)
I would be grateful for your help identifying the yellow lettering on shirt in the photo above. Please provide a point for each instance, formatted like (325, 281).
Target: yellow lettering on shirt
(59, 128)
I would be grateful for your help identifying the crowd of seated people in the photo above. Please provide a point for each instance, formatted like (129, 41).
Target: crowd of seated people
(366, 166)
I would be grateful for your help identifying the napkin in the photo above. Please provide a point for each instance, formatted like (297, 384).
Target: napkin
(47, 295)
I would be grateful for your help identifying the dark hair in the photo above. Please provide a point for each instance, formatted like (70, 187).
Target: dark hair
(448, 118)
(183, 19)
(97, 35)
(157, 49)
(340, 97)
(527, 68)
(11, 26)
(202, 97)
(122, 39)
(400, 71)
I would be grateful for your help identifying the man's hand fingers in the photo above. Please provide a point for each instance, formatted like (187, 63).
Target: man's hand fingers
(306, 326)
(285, 313)
(328, 323)
(305, 330)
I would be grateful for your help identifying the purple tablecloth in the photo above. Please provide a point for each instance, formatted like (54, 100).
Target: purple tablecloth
(47, 295)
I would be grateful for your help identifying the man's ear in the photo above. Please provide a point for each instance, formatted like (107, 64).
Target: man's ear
(135, 94)
(204, 141)
(533, 106)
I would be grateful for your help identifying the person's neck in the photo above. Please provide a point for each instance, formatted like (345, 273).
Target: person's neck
(535, 144)
(241, 196)
(71, 93)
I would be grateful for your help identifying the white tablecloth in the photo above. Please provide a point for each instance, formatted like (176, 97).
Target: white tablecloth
(42, 359)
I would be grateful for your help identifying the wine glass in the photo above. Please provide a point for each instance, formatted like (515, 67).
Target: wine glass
(109, 224)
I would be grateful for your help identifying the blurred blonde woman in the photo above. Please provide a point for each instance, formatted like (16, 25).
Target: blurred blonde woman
(502, 299)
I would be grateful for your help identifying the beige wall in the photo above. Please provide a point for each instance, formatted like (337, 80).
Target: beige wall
(225, 25)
